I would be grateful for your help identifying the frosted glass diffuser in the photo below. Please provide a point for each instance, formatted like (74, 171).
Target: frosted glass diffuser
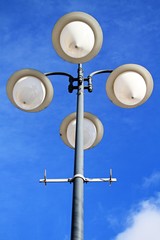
(129, 85)
(92, 130)
(77, 37)
(29, 90)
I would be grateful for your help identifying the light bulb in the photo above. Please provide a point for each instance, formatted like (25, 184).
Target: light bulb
(92, 130)
(129, 85)
(130, 88)
(29, 93)
(89, 133)
(77, 39)
(30, 90)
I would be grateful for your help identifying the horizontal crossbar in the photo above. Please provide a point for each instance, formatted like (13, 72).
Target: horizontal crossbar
(70, 180)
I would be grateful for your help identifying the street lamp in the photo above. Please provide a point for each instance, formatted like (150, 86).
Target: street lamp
(129, 85)
(92, 130)
(77, 38)
(29, 90)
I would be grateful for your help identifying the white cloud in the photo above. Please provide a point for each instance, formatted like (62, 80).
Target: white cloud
(154, 179)
(144, 223)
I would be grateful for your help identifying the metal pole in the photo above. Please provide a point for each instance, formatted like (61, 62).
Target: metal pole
(77, 202)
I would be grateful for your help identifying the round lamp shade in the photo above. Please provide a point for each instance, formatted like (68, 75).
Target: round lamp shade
(29, 90)
(92, 130)
(77, 37)
(129, 85)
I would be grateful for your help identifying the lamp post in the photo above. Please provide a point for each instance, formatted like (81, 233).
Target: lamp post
(77, 37)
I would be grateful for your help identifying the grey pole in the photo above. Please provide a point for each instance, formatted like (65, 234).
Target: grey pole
(77, 202)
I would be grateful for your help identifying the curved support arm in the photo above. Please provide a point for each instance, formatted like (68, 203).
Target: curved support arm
(89, 78)
(70, 76)
(99, 72)
(58, 73)
(71, 87)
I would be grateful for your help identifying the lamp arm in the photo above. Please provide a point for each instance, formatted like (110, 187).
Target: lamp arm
(99, 72)
(71, 79)
(71, 87)
(58, 73)
(89, 78)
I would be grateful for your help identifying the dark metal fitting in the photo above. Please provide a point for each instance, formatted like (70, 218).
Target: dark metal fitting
(70, 88)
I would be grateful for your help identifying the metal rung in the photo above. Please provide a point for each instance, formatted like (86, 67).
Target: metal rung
(100, 180)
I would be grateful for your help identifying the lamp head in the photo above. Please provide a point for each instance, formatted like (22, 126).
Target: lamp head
(129, 85)
(29, 90)
(77, 37)
(92, 134)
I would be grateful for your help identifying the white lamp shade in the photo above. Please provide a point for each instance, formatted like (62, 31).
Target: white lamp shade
(92, 130)
(77, 37)
(129, 85)
(29, 90)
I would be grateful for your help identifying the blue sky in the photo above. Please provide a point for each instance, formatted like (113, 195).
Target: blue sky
(30, 142)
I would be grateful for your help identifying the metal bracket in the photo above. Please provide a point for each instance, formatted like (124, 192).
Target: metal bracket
(45, 180)
(72, 87)
(76, 176)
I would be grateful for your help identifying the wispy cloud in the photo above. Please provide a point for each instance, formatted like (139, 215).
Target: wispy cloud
(143, 223)
(153, 180)
(112, 220)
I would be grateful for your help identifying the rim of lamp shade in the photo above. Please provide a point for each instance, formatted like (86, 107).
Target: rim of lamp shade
(75, 17)
(39, 76)
(143, 72)
(97, 123)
